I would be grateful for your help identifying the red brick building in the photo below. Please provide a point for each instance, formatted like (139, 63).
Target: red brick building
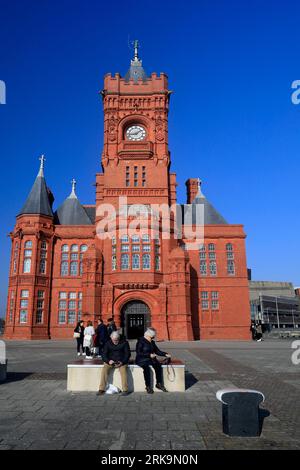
(63, 268)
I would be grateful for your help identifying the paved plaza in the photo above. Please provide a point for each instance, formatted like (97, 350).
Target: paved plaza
(37, 412)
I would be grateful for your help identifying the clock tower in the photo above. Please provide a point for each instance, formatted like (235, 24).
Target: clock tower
(136, 166)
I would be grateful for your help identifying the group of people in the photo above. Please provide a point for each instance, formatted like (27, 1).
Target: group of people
(90, 340)
(115, 353)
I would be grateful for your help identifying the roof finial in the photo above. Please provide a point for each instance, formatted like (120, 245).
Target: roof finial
(73, 192)
(42, 165)
(200, 194)
(136, 50)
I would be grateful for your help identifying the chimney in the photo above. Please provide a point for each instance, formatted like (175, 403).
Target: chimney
(192, 188)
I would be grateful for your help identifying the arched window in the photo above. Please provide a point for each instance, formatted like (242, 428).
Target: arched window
(74, 248)
(229, 251)
(135, 261)
(213, 268)
(211, 247)
(16, 256)
(43, 257)
(230, 268)
(203, 268)
(65, 249)
(43, 266)
(27, 266)
(74, 268)
(27, 257)
(146, 261)
(64, 268)
(157, 263)
(124, 261)
(83, 248)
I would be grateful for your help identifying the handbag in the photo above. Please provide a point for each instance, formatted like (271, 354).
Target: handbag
(76, 335)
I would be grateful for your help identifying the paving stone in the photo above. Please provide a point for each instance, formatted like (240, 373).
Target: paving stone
(36, 411)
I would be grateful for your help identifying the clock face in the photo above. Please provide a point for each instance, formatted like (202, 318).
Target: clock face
(135, 133)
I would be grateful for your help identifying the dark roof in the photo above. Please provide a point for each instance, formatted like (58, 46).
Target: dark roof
(136, 71)
(71, 212)
(91, 212)
(211, 215)
(38, 201)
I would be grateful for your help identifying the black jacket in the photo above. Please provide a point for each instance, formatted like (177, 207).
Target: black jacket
(79, 329)
(101, 333)
(116, 352)
(143, 350)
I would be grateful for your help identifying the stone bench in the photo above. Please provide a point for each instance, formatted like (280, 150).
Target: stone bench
(240, 411)
(84, 376)
(3, 371)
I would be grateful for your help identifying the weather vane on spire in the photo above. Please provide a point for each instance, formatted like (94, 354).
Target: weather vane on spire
(136, 49)
(73, 182)
(135, 45)
(42, 160)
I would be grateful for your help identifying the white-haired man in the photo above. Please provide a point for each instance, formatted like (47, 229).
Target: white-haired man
(115, 354)
(146, 352)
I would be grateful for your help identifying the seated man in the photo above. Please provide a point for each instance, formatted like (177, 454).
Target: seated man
(115, 354)
(146, 352)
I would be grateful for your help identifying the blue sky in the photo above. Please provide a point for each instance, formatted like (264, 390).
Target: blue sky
(232, 123)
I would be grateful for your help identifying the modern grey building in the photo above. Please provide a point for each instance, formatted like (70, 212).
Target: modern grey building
(275, 304)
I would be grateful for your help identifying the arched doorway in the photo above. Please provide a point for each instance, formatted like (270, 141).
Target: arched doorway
(135, 318)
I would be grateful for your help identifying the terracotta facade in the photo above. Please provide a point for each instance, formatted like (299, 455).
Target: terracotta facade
(159, 282)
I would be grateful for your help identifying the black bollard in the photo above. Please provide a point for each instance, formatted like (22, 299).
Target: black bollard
(240, 412)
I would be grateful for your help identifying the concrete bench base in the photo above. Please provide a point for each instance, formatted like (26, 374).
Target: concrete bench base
(84, 376)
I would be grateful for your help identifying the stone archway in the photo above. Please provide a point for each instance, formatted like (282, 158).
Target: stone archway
(135, 318)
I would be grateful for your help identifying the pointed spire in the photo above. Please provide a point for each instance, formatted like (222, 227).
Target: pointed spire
(38, 200)
(136, 71)
(73, 192)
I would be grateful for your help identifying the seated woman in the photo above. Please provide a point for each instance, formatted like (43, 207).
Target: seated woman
(146, 352)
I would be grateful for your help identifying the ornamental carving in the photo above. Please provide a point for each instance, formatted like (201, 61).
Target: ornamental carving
(159, 128)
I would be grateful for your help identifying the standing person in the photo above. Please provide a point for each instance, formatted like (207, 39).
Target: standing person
(79, 335)
(258, 332)
(102, 335)
(253, 331)
(146, 353)
(111, 327)
(88, 341)
(116, 354)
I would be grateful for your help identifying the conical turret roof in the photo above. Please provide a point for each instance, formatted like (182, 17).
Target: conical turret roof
(71, 212)
(38, 201)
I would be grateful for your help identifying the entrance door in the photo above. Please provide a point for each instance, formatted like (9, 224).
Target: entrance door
(135, 319)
